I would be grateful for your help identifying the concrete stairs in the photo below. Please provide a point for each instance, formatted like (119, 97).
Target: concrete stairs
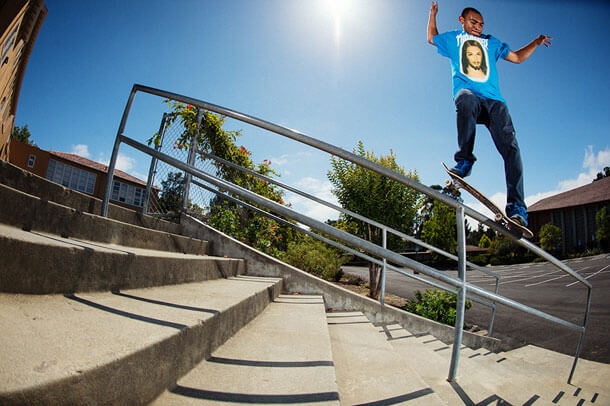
(136, 310)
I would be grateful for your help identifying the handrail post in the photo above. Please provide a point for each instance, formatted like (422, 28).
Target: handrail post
(493, 312)
(384, 233)
(191, 162)
(461, 299)
(115, 153)
(152, 171)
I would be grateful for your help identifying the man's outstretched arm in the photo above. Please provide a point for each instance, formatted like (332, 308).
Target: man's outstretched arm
(525, 52)
(432, 30)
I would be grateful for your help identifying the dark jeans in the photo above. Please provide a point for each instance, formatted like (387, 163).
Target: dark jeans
(471, 110)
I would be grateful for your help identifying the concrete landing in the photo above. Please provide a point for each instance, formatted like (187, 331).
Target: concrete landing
(71, 349)
(487, 378)
(369, 370)
(281, 357)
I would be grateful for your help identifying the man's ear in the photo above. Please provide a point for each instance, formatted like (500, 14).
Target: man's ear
(462, 20)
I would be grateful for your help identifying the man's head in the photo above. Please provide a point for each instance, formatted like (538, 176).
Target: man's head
(472, 21)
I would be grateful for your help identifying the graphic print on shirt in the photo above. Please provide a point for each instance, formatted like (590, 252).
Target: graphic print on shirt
(474, 62)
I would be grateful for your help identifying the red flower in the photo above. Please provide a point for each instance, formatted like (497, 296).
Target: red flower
(189, 107)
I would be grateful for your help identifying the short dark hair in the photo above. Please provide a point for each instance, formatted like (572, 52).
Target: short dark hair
(468, 10)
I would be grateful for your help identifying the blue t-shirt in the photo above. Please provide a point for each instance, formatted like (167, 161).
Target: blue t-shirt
(473, 61)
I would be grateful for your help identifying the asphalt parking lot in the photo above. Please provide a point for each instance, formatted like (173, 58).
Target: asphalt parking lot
(543, 287)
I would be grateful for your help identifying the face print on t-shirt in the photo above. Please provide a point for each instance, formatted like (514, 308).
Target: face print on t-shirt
(474, 62)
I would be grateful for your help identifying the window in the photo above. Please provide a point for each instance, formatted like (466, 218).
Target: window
(70, 176)
(8, 44)
(31, 161)
(124, 193)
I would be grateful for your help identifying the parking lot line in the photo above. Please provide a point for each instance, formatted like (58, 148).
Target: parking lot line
(589, 276)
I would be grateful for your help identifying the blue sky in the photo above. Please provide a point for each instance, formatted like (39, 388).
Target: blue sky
(337, 70)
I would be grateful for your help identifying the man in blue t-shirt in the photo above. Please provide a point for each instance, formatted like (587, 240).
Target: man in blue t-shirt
(477, 97)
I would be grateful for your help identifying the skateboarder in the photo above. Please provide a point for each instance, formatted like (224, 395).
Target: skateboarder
(477, 97)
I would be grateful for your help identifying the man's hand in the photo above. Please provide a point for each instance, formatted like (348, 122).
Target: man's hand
(432, 30)
(525, 52)
(543, 40)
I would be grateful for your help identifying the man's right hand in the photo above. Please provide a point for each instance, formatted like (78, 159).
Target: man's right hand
(432, 30)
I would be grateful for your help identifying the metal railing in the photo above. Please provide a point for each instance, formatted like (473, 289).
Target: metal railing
(460, 284)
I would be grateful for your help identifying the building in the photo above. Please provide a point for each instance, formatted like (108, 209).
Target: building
(574, 213)
(20, 22)
(82, 174)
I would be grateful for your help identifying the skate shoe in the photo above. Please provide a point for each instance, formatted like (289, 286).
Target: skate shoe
(462, 169)
(517, 213)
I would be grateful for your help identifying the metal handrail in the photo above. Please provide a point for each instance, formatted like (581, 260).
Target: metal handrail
(367, 246)
(348, 212)
(383, 227)
(338, 245)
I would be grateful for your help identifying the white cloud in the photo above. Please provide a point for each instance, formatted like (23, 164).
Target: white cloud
(592, 164)
(81, 150)
(125, 163)
(320, 189)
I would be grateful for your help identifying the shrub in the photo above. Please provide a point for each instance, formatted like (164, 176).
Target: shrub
(315, 257)
(437, 305)
(550, 237)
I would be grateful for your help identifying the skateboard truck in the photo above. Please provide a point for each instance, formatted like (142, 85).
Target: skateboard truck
(456, 183)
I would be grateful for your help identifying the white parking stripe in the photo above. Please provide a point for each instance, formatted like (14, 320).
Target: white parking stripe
(589, 276)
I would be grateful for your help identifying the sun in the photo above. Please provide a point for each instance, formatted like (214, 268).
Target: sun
(338, 7)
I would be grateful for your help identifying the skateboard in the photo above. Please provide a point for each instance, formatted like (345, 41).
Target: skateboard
(456, 183)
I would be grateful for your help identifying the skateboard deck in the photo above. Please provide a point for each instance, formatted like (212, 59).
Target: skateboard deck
(456, 183)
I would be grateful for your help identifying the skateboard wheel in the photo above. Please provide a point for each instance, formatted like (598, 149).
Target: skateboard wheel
(448, 183)
(498, 217)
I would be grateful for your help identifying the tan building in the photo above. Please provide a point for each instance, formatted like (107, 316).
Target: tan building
(20, 22)
(82, 174)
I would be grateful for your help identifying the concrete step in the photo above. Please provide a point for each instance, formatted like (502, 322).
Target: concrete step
(281, 357)
(519, 381)
(368, 368)
(43, 263)
(423, 353)
(24, 181)
(29, 212)
(124, 347)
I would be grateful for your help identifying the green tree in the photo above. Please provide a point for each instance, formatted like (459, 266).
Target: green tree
(172, 189)
(603, 174)
(210, 136)
(484, 242)
(550, 237)
(602, 219)
(376, 197)
(22, 134)
(440, 229)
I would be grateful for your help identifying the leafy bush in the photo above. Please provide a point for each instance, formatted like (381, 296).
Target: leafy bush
(481, 259)
(437, 305)
(550, 237)
(315, 257)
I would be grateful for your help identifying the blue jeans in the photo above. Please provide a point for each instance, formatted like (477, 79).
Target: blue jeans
(472, 110)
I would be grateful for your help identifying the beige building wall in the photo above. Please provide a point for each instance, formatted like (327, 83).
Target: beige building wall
(20, 22)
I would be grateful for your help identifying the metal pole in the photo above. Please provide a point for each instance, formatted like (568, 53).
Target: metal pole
(384, 232)
(582, 336)
(152, 171)
(115, 153)
(461, 299)
(191, 162)
(493, 312)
